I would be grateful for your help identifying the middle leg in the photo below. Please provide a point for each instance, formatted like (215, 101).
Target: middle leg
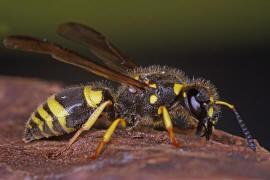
(108, 135)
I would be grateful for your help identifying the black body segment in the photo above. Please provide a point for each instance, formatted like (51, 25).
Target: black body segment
(66, 111)
(135, 106)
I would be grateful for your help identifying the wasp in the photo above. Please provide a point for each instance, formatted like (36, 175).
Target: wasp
(158, 97)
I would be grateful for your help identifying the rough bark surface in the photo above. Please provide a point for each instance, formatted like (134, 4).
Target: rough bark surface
(129, 155)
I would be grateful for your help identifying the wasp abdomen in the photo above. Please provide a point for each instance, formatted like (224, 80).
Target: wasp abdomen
(64, 112)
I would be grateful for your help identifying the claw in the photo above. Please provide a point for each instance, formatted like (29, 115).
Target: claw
(56, 154)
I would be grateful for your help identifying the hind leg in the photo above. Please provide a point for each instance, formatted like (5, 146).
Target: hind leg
(86, 126)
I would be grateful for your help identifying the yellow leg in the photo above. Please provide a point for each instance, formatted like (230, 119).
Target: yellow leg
(86, 126)
(168, 123)
(108, 135)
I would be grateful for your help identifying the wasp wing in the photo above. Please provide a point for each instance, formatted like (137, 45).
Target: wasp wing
(61, 54)
(98, 45)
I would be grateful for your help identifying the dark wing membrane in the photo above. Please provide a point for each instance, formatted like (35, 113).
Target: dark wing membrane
(98, 44)
(57, 52)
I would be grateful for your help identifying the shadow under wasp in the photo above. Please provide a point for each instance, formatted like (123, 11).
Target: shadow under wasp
(155, 96)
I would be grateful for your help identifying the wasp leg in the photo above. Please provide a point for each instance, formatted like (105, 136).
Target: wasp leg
(168, 123)
(86, 126)
(108, 135)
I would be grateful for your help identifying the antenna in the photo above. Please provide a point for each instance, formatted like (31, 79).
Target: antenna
(242, 124)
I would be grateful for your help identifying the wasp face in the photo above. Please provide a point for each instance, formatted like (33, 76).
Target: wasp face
(200, 104)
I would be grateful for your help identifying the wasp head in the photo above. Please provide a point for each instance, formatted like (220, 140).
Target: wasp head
(199, 101)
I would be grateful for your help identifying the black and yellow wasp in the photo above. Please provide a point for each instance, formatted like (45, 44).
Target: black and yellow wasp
(155, 96)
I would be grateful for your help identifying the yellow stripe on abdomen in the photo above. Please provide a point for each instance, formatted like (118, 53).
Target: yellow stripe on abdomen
(29, 126)
(40, 125)
(59, 111)
(48, 119)
(92, 97)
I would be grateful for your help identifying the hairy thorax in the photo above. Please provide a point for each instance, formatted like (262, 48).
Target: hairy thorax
(142, 108)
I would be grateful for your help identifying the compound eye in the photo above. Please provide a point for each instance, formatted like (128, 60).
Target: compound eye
(194, 104)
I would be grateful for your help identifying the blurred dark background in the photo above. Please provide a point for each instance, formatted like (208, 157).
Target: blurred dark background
(227, 42)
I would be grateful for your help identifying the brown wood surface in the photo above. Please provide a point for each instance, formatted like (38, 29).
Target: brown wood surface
(129, 155)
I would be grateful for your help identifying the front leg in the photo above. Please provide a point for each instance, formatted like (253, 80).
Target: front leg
(168, 123)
